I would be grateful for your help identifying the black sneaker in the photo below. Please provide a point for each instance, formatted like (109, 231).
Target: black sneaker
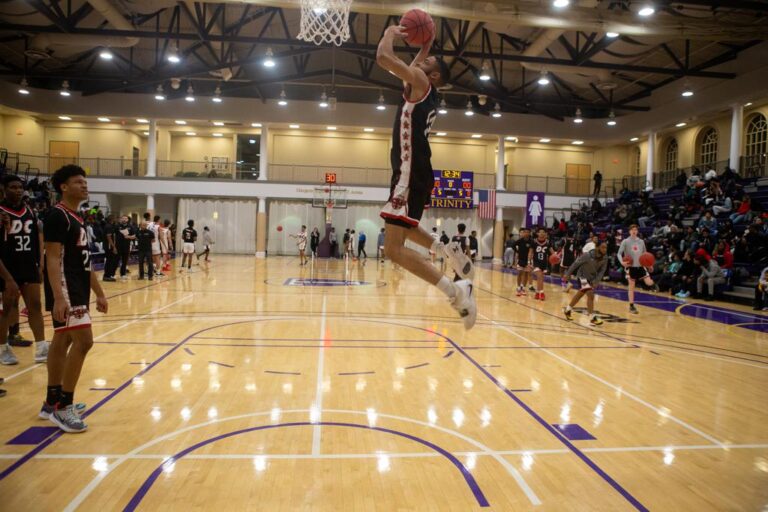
(3, 392)
(568, 313)
(18, 341)
(110, 279)
(633, 309)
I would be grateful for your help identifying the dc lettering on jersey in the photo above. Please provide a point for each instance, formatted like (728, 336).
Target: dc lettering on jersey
(541, 252)
(21, 227)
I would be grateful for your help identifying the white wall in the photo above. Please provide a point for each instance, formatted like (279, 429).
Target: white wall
(232, 223)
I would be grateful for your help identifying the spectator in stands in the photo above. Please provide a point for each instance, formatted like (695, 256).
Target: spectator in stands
(683, 281)
(706, 241)
(690, 240)
(710, 175)
(648, 213)
(756, 243)
(743, 212)
(708, 222)
(761, 291)
(711, 275)
(722, 254)
(680, 181)
(666, 280)
(598, 179)
(724, 207)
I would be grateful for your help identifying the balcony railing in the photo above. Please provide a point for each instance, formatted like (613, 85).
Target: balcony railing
(750, 167)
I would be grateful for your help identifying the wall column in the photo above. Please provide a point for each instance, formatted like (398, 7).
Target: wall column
(651, 160)
(152, 149)
(261, 229)
(151, 204)
(263, 153)
(737, 121)
(498, 236)
(500, 157)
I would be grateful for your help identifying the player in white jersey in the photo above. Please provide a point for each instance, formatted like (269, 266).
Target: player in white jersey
(629, 253)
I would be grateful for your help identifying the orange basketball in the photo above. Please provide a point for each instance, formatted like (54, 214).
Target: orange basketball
(419, 27)
(628, 260)
(554, 259)
(647, 259)
(279, 228)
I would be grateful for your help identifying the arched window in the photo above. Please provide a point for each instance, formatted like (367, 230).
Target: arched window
(708, 147)
(670, 160)
(637, 161)
(756, 136)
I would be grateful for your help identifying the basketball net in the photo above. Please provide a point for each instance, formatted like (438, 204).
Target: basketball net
(324, 21)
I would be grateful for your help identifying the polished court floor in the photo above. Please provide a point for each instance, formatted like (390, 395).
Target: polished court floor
(245, 385)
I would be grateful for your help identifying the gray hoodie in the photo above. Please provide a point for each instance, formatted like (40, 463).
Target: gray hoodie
(589, 267)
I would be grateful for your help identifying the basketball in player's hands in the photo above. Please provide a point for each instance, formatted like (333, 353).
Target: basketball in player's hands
(279, 228)
(554, 259)
(627, 260)
(418, 26)
(647, 259)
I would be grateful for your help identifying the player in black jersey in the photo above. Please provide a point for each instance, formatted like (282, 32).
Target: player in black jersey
(22, 256)
(188, 238)
(568, 254)
(461, 240)
(523, 255)
(542, 250)
(412, 178)
(68, 282)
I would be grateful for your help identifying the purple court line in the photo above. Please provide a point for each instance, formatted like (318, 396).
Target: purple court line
(449, 354)
(415, 366)
(654, 353)
(356, 373)
(518, 390)
(542, 347)
(147, 485)
(281, 373)
(134, 343)
(102, 389)
(188, 351)
(221, 364)
(313, 339)
(241, 345)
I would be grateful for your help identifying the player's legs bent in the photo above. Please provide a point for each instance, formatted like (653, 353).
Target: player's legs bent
(410, 260)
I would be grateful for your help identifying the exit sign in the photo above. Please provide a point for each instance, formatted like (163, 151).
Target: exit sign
(330, 177)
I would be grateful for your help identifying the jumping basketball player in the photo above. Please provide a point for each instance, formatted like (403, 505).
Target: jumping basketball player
(589, 269)
(22, 255)
(68, 283)
(524, 254)
(633, 247)
(412, 177)
(542, 250)
(188, 238)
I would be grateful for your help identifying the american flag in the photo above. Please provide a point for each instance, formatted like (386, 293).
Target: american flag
(486, 206)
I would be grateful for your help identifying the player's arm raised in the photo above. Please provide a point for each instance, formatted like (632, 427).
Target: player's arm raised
(386, 58)
(423, 52)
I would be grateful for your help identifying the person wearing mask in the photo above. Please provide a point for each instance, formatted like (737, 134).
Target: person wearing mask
(145, 237)
(125, 235)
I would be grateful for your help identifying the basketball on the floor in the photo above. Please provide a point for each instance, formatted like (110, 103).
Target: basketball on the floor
(627, 260)
(279, 228)
(554, 259)
(419, 27)
(647, 259)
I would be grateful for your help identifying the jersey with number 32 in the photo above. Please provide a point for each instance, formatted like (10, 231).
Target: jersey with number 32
(21, 243)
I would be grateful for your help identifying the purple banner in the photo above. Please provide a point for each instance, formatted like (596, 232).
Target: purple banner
(534, 209)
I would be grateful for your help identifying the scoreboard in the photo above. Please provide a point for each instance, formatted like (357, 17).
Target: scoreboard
(452, 189)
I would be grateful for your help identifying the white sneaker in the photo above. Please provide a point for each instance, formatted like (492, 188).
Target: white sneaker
(7, 357)
(464, 303)
(68, 420)
(459, 260)
(41, 352)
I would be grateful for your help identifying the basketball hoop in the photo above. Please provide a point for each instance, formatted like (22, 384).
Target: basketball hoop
(324, 21)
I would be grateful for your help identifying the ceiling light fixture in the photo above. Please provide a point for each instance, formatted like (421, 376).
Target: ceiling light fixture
(687, 93)
(511, 138)
(190, 97)
(256, 125)
(294, 126)
(141, 120)
(441, 134)
(282, 101)
(191, 134)
(23, 87)
(103, 119)
(544, 141)
(173, 55)
(578, 119)
(323, 100)
(469, 111)
(159, 94)
(612, 34)
(180, 121)
(577, 142)
(218, 123)
(369, 130)
(496, 111)
(634, 139)
(476, 136)
(646, 10)
(560, 3)
(485, 73)
(217, 95)
(748, 104)
(106, 54)
(269, 61)
(611, 119)
(65, 89)
(146, 133)
(331, 128)
(544, 78)
(443, 107)
(381, 105)
(65, 118)
(217, 134)
(681, 124)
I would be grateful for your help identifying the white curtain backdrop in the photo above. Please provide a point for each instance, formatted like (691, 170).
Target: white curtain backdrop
(232, 223)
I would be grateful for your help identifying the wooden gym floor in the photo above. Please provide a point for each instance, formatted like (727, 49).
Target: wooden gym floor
(242, 386)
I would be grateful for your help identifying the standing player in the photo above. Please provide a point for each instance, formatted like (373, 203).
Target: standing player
(542, 249)
(412, 177)
(165, 245)
(22, 256)
(157, 258)
(435, 236)
(207, 243)
(590, 269)
(567, 258)
(188, 239)
(461, 243)
(68, 282)
(301, 244)
(632, 248)
(524, 253)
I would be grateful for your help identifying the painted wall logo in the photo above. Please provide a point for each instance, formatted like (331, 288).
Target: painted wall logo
(298, 281)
